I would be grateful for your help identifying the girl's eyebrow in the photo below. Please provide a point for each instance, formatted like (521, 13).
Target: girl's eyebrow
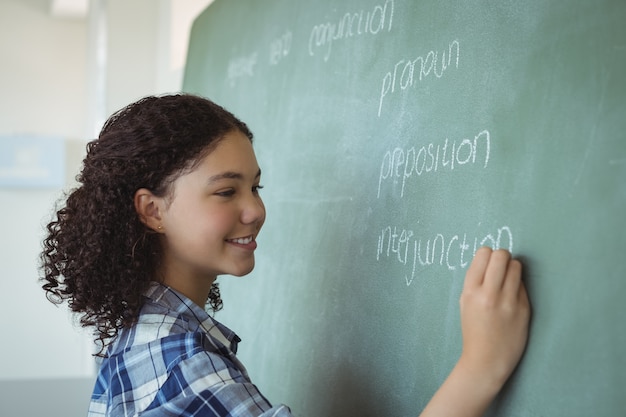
(231, 175)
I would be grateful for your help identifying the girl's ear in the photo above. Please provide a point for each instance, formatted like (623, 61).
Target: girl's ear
(148, 207)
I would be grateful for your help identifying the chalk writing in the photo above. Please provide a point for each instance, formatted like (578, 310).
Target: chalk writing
(351, 24)
(401, 164)
(280, 47)
(452, 252)
(408, 72)
(242, 66)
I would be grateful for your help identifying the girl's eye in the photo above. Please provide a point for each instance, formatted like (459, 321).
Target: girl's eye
(226, 193)
(231, 192)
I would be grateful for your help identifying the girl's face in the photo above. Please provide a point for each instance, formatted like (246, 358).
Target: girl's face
(214, 215)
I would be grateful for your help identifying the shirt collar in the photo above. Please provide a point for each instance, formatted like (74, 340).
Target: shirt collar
(197, 318)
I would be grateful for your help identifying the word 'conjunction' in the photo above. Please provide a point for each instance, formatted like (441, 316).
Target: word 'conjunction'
(372, 22)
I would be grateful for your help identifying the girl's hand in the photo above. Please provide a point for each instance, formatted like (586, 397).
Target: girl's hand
(494, 319)
(495, 313)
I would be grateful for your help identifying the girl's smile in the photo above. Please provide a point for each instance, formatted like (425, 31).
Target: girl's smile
(244, 242)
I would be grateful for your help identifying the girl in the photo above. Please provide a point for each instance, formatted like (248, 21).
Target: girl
(168, 199)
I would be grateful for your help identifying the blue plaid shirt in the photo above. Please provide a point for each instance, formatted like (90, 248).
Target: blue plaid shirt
(176, 361)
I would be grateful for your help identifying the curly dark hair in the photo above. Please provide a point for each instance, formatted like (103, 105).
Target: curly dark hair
(98, 256)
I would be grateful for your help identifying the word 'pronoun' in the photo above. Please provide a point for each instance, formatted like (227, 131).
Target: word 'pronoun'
(409, 72)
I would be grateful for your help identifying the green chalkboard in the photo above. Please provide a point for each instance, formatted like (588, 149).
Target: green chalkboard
(397, 136)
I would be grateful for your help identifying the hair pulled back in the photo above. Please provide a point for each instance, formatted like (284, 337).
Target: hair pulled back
(98, 256)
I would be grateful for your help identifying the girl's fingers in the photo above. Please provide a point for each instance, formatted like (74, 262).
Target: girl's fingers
(476, 271)
(497, 270)
(513, 279)
(522, 295)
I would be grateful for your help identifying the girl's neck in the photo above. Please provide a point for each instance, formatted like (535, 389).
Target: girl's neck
(195, 288)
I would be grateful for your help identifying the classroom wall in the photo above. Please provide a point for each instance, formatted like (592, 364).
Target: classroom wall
(49, 78)
(42, 78)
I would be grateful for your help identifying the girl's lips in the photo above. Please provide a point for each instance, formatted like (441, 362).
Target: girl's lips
(247, 242)
(242, 240)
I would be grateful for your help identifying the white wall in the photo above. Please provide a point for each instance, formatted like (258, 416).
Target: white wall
(42, 77)
(47, 78)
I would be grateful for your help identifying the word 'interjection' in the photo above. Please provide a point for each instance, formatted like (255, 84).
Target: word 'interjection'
(451, 252)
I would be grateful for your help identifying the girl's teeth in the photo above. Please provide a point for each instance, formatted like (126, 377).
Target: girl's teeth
(242, 241)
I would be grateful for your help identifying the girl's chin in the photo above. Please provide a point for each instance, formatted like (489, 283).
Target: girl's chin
(243, 271)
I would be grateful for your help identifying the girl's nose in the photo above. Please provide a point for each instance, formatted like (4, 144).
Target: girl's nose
(253, 210)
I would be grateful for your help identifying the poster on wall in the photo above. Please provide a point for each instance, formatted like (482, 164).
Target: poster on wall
(30, 161)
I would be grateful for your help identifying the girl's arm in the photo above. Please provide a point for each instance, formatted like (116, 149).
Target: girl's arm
(495, 313)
